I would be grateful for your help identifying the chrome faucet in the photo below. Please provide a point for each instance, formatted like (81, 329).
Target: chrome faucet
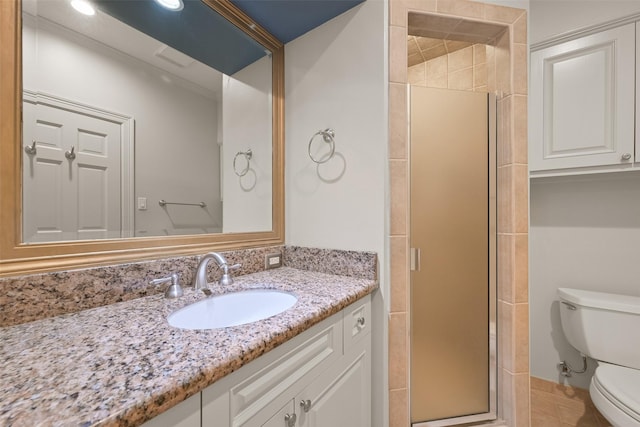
(200, 278)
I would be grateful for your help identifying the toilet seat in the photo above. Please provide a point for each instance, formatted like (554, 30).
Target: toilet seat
(615, 390)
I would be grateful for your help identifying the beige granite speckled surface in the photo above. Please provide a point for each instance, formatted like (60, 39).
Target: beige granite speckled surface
(122, 364)
(32, 297)
(333, 261)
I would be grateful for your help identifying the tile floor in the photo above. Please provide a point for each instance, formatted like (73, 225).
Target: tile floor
(556, 405)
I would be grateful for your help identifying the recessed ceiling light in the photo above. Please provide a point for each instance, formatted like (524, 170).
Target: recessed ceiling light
(83, 7)
(174, 5)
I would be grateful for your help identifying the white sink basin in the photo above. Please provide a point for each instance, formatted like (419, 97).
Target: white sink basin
(232, 309)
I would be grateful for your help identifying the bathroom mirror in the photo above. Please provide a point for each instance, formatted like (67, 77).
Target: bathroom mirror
(135, 131)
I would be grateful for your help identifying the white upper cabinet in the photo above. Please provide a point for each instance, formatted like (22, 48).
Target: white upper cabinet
(582, 103)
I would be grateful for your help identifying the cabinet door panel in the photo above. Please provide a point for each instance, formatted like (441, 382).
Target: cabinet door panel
(279, 418)
(582, 101)
(339, 399)
(185, 414)
(269, 386)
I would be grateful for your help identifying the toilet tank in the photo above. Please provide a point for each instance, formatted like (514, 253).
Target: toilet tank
(603, 326)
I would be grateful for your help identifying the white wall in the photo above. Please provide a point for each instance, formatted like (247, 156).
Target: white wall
(246, 118)
(336, 76)
(585, 233)
(551, 18)
(175, 126)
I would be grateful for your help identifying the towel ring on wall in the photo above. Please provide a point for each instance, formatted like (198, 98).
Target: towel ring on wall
(328, 136)
(247, 156)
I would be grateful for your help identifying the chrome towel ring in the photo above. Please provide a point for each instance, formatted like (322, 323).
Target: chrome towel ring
(328, 136)
(247, 156)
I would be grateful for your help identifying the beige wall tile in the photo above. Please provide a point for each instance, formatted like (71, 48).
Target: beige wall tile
(513, 202)
(399, 274)
(479, 75)
(462, 8)
(398, 10)
(427, 43)
(460, 59)
(506, 267)
(461, 80)
(520, 82)
(521, 339)
(397, 54)
(505, 200)
(506, 336)
(522, 403)
(520, 136)
(491, 69)
(503, 64)
(398, 121)
(398, 172)
(521, 268)
(437, 66)
(414, 58)
(479, 54)
(521, 198)
(439, 82)
(513, 270)
(399, 408)
(505, 129)
(417, 74)
(398, 352)
(520, 29)
(481, 89)
(506, 406)
(506, 15)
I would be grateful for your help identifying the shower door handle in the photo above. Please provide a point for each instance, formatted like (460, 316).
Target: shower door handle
(414, 260)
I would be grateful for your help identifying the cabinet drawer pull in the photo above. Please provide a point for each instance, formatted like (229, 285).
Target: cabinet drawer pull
(361, 322)
(305, 405)
(626, 156)
(290, 420)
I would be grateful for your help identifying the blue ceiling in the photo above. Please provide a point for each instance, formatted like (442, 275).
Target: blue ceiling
(201, 33)
(289, 19)
(196, 30)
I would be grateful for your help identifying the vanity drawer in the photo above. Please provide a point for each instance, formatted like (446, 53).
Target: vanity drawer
(267, 386)
(357, 322)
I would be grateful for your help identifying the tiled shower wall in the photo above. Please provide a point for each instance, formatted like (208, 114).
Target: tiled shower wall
(464, 69)
(506, 65)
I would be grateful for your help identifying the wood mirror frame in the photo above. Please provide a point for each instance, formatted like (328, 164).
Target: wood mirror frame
(17, 258)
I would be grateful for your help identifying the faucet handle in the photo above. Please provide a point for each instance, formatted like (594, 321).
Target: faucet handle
(235, 267)
(174, 290)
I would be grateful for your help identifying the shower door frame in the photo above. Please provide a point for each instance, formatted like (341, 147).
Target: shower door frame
(492, 414)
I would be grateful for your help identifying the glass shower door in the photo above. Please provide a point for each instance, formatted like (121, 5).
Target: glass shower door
(452, 236)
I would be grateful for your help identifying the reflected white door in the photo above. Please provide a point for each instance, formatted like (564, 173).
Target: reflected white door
(72, 184)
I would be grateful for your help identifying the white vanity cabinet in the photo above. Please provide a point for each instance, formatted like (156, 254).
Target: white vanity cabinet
(184, 414)
(322, 377)
(582, 103)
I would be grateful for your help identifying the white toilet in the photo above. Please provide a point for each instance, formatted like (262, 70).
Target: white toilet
(606, 327)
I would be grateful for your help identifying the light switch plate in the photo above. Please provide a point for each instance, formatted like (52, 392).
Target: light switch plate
(142, 203)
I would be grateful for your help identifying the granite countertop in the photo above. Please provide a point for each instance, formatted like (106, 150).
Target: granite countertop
(122, 364)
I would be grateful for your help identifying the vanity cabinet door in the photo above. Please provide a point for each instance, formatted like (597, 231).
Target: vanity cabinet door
(185, 414)
(285, 417)
(340, 397)
(582, 102)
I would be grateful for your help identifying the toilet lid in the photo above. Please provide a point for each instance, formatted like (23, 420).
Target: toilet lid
(621, 385)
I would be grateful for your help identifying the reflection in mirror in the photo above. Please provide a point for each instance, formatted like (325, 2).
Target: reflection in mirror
(132, 118)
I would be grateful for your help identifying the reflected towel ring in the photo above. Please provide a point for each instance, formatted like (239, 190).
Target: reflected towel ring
(247, 156)
(328, 136)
